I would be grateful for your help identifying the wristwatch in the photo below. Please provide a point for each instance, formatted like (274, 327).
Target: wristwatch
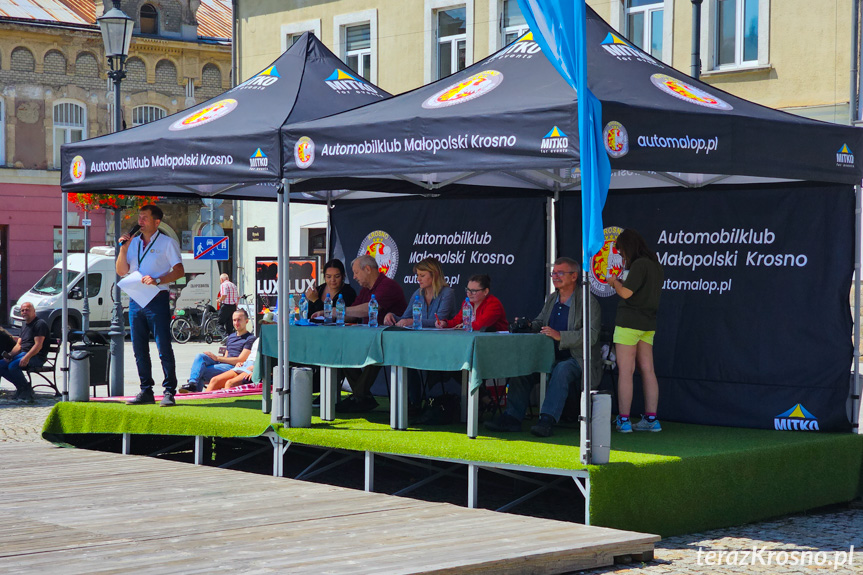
(158, 281)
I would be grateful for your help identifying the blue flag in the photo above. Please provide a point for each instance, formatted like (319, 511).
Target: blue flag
(559, 29)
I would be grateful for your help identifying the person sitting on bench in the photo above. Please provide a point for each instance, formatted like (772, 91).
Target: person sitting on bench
(241, 374)
(208, 365)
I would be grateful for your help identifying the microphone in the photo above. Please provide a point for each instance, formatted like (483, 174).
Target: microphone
(133, 232)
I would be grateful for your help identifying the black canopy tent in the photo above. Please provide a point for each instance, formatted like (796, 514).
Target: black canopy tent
(509, 121)
(227, 147)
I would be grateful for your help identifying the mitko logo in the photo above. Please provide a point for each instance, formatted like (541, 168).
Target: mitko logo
(304, 152)
(554, 142)
(206, 115)
(466, 90)
(260, 81)
(616, 139)
(608, 259)
(523, 48)
(844, 157)
(345, 83)
(78, 169)
(796, 419)
(623, 51)
(688, 93)
(381, 246)
(258, 161)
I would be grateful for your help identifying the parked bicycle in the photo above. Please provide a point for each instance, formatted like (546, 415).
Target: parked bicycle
(197, 321)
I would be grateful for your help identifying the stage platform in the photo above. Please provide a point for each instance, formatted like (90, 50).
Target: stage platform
(82, 512)
(685, 479)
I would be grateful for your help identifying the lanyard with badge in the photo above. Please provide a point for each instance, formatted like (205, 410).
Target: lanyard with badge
(147, 251)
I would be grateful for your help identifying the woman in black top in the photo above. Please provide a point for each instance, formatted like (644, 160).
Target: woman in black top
(635, 326)
(334, 284)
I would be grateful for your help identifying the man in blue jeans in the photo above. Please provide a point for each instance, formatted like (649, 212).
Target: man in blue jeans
(156, 257)
(561, 319)
(31, 350)
(208, 365)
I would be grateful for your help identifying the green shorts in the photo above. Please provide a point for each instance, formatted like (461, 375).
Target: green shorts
(629, 336)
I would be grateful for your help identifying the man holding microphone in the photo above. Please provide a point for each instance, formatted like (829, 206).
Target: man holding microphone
(157, 258)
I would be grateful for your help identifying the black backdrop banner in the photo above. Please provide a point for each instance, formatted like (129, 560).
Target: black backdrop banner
(754, 325)
(504, 238)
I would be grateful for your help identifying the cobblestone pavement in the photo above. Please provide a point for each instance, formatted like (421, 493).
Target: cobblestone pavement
(798, 544)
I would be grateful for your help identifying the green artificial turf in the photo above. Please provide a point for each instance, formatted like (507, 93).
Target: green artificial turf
(686, 478)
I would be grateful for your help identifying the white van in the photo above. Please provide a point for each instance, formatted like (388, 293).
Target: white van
(201, 284)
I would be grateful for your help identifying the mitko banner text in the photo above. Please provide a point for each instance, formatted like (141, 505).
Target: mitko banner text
(504, 238)
(754, 326)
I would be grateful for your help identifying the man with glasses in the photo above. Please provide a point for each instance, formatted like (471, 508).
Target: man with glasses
(560, 319)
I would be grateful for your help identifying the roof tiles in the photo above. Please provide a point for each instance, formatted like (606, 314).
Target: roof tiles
(214, 16)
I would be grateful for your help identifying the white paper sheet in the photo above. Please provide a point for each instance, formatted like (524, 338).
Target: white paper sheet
(141, 293)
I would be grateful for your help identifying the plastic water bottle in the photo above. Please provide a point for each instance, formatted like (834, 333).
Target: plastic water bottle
(340, 310)
(467, 315)
(373, 312)
(328, 309)
(291, 304)
(304, 309)
(418, 313)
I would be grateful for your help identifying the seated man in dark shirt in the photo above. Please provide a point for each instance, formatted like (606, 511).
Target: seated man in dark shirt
(31, 351)
(561, 319)
(208, 365)
(390, 298)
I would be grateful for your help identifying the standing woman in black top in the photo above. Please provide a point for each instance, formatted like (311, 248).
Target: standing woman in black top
(635, 327)
(334, 284)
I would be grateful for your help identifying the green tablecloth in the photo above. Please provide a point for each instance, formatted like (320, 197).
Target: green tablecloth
(485, 355)
(354, 346)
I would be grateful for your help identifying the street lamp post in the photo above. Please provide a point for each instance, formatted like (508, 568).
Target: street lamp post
(116, 35)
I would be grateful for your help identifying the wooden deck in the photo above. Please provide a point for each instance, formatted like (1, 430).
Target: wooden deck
(76, 511)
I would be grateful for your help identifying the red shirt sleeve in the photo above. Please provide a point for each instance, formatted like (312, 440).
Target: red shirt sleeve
(490, 313)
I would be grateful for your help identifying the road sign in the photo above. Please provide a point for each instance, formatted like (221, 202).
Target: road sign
(211, 248)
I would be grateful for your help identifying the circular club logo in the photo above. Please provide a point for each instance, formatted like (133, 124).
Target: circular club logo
(381, 246)
(607, 259)
(616, 139)
(205, 115)
(304, 152)
(466, 90)
(78, 169)
(687, 92)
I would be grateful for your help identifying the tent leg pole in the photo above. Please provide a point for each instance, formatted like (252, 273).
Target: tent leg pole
(550, 243)
(279, 374)
(857, 411)
(586, 415)
(329, 223)
(64, 322)
(284, 284)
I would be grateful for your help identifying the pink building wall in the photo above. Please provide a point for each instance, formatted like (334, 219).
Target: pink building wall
(30, 213)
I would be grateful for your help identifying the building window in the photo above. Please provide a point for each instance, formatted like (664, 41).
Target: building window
(290, 33)
(513, 23)
(358, 50)
(735, 33)
(451, 41)
(146, 114)
(644, 25)
(70, 124)
(149, 19)
(291, 39)
(356, 42)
